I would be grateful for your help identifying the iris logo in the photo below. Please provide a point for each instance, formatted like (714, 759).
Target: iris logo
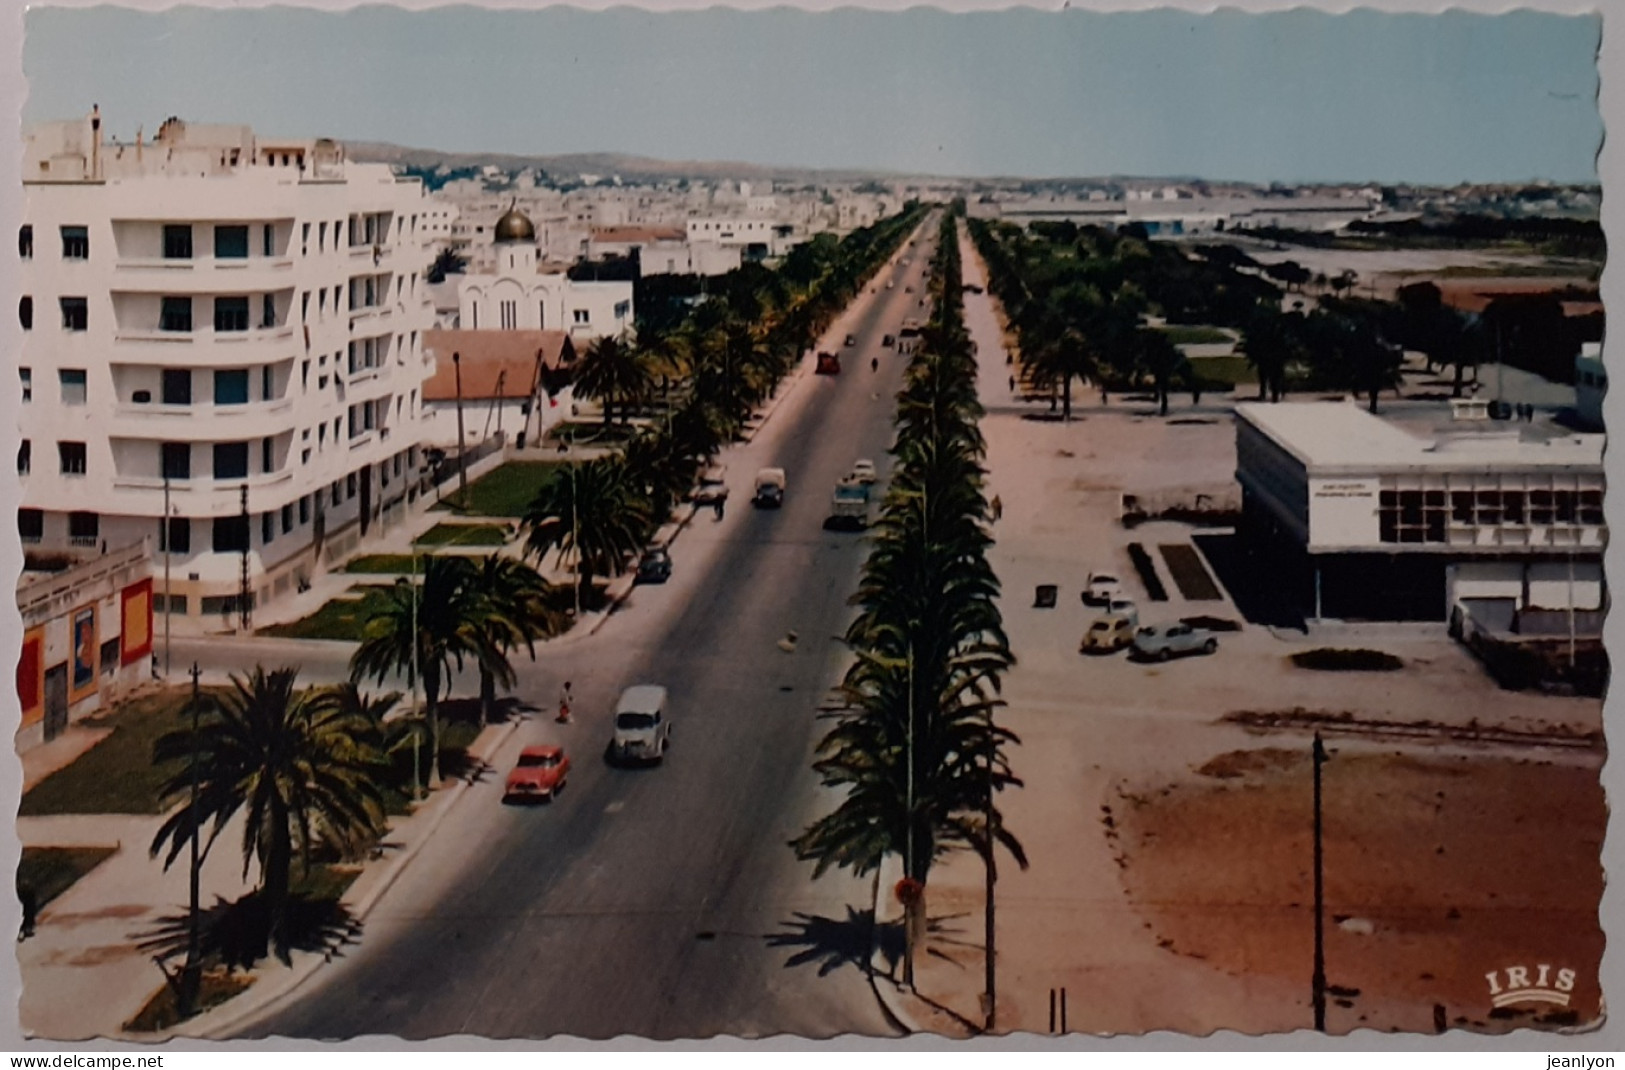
(1514, 985)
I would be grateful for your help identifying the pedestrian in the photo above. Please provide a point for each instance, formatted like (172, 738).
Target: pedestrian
(155, 664)
(30, 903)
(566, 700)
(1012, 384)
(874, 364)
(717, 505)
(998, 508)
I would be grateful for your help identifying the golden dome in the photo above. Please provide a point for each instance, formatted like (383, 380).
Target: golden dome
(513, 226)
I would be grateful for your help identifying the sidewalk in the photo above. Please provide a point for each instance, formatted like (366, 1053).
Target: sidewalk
(83, 976)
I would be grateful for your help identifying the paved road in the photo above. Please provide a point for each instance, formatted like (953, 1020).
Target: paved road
(662, 902)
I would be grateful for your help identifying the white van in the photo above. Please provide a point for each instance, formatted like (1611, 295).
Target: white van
(642, 730)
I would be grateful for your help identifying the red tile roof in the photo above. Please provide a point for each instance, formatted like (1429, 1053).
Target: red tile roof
(512, 358)
(632, 235)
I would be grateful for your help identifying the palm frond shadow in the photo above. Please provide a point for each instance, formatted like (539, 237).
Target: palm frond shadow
(237, 933)
(836, 942)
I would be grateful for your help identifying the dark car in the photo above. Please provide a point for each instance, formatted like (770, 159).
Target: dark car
(655, 566)
(888, 341)
(851, 339)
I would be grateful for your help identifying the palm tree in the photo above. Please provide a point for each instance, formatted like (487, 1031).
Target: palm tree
(613, 372)
(1162, 360)
(447, 611)
(1270, 344)
(592, 511)
(305, 765)
(519, 607)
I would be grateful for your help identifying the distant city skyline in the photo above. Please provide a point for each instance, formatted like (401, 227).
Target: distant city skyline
(1297, 96)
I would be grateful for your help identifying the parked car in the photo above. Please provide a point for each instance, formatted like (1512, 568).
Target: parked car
(908, 289)
(851, 340)
(1124, 607)
(863, 471)
(1101, 587)
(1107, 634)
(1163, 641)
(642, 730)
(888, 341)
(828, 364)
(769, 489)
(539, 774)
(713, 487)
(654, 566)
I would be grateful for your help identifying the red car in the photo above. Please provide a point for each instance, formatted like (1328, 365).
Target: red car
(540, 774)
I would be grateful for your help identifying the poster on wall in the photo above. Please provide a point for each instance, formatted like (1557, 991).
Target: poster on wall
(135, 619)
(84, 650)
(31, 676)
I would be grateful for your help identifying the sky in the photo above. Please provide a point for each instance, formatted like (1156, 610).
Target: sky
(1291, 96)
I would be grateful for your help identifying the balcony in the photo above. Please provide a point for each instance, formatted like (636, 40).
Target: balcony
(214, 497)
(205, 348)
(205, 274)
(201, 422)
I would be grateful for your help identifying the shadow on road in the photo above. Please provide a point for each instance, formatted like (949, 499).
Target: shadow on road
(836, 942)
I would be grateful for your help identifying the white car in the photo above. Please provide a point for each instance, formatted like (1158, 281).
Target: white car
(642, 730)
(1163, 641)
(1101, 588)
(863, 471)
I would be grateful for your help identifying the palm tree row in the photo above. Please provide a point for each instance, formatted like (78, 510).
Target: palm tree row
(919, 755)
(721, 362)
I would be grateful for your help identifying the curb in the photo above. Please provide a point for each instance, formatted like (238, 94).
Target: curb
(215, 1026)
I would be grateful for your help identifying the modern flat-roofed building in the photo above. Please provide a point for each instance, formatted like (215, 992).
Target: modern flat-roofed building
(225, 328)
(1358, 518)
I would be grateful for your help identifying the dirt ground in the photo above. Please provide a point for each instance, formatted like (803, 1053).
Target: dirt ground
(1439, 869)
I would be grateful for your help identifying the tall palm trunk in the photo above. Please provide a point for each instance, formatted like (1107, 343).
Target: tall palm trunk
(276, 878)
(1066, 398)
(488, 695)
(431, 695)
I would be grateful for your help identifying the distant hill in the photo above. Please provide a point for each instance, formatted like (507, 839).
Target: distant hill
(635, 168)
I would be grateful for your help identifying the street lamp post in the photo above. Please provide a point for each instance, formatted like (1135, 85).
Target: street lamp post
(167, 534)
(462, 442)
(1318, 980)
(575, 537)
(190, 973)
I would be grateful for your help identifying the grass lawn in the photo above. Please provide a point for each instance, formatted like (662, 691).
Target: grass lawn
(464, 535)
(215, 987)
(384, 564)
(50, 871)
(504, 491)
(1195, 336)
(1224, 372)
(116, 776)
(341, 618)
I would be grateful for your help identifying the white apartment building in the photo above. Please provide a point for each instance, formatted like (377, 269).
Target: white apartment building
(516, 294)
(226, 325)
(1360, 519)
(757, 239)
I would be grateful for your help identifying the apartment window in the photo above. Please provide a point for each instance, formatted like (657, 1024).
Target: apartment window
(71, 458)
(582, 315)
(231, 386)
(622, 309)
(304, 375)
(25, 312)
(27, 376)
(349, 485)
(369, 413)
(338, 493)
(231, 460)
(287, 518)
(267, 383)
(231, 243)
(75, 243)
(83, 528)
(25, 241)
(304, 307)
(321, 236)
(177, 460)
(175, 536)
(1591, 507)
(230, 535)
(72, 381)
(231, 313)
(355, 421)
(25, 457)
(304, 510)
(304, 240)
(75, 313)
(510, 315)
(268, 311)
(269, 240)
(30, 525)
(321, 435)
(267, 455)
(267, 528)
(175, 314)
(177, 241)
(177, 386)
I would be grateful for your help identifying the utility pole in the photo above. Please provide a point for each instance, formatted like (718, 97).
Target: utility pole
(167, 534)
(462, 443)
(191, 972)
(1318, 980)
(245, 595)
(908, 838)
(575, 535)
(988, 818)
(417, 645)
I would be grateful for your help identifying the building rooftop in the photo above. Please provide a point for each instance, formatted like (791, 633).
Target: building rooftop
(495, 364)
(1343, 436)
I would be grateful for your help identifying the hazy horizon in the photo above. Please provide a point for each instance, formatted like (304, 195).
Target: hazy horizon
(1296, 97)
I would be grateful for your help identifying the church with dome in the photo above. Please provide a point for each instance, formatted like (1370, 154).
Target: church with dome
(515, 289)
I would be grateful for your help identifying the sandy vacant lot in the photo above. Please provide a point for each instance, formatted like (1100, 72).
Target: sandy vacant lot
(1439, 869)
